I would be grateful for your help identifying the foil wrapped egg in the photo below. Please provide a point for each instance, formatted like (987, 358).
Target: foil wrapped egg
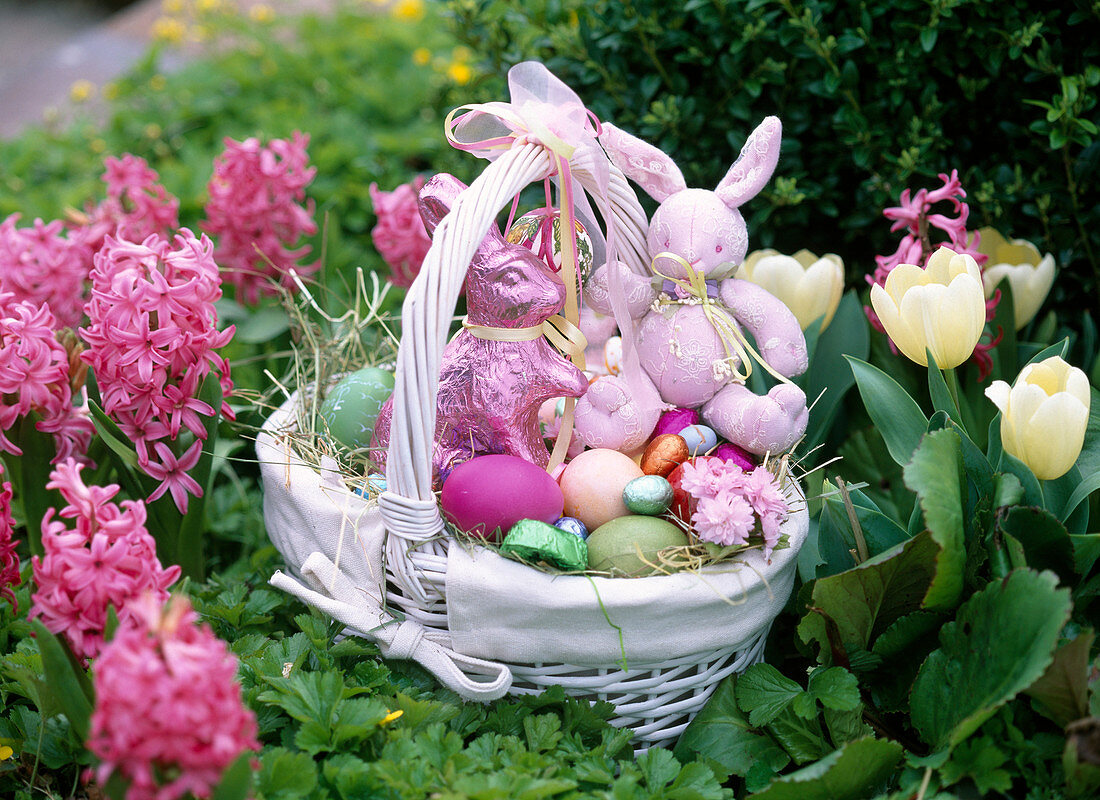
(649, 495)
(663, 454)
(530, 230)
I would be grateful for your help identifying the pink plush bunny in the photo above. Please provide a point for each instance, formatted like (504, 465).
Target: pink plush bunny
(490, 391)
(678, 345)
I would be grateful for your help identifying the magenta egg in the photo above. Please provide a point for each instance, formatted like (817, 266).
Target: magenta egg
(487, 495)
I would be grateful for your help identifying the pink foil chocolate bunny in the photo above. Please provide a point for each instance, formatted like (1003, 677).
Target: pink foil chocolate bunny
(490, 391)
(682, 350)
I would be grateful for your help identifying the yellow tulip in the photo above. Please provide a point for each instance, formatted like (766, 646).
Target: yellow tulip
(809, 286)
(938, 308)
(1044, 415)
(1029, 274)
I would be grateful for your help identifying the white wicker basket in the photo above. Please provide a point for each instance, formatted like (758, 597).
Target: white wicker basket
(657, 697)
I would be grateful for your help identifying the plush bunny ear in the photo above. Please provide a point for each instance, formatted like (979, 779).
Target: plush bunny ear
(437, 197)
(643, 163)
(755, 165)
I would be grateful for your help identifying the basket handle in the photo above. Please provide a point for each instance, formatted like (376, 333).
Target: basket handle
(408, 506)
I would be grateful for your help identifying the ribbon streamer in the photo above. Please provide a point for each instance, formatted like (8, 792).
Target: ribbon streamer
(547, 112)
(729, 332)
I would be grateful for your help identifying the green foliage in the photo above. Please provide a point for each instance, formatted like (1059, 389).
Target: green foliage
(874, 98)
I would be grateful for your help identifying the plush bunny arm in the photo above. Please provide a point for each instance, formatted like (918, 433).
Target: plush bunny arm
(759, 423)
(639, 292)
(613, 415)
(778, 335)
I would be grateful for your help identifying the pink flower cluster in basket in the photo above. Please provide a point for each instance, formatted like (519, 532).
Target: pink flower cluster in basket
(9, 559)
(400, 235)
(731, 503)
(108, 559)
(168, 714)
(152, 337)
(34, 377)
(255, 213)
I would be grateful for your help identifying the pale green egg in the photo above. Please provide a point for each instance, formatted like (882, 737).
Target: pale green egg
(351, 408)
(629, 545)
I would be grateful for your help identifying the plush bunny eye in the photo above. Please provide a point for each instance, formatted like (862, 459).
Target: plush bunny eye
(718, 249)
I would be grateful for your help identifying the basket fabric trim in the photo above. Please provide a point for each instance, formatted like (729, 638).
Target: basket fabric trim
(501, 609)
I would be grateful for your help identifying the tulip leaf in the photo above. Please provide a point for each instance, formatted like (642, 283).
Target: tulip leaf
(938, 391)
(1089, 460)
(935, 474)
(1033, 491)
(828, 376)
(836, 539)
(850, 609)
(896, 415)
(721, 733)
(1062, 693)
(1060, 349)
(1070, 510)
(1000, 642)
(1005, 356)
(1086, 552)
(858, 769)
(1044, 539)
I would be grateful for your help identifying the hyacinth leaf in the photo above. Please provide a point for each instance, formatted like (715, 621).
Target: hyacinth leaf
(29, 475)
(189, 554)
(1062, 693)
(858, 769)
(112, 436)
(67, 680)
(896, 415)
(1044, 539)
(236, 781)
(1005, 355)
(850, 609)
(262, 325)
(1001, 641)
(935, 474)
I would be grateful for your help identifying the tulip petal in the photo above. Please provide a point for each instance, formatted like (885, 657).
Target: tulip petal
(998, 392)
(1053, 437)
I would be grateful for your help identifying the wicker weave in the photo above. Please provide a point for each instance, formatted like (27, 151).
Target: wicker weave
(655, 700)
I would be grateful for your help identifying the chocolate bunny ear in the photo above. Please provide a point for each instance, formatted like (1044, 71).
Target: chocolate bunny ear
(437, 197)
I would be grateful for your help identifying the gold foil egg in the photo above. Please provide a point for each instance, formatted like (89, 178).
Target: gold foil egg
(530, 229)
(666, 452)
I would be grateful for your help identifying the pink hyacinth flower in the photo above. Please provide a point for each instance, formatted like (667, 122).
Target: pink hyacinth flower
(35, 377)
(151, 341)
(168, 714)
(400, 236)
(255, 214)
(43, 266)
(136, 207)
(9, 559)
(108, 559)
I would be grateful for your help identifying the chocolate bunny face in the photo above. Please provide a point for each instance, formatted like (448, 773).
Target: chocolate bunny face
(507, 285)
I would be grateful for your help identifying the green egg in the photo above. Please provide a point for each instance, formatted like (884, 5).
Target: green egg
(624, 545)
(650, 495)
(352, 405)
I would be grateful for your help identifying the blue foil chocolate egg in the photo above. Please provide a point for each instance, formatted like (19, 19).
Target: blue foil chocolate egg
(649, 495)
(572, 525)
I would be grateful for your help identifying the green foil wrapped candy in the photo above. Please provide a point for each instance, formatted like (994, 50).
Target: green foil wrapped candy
(535, 541)
(351, 407)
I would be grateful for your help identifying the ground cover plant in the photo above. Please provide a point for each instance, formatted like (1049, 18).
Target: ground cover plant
(941, 643)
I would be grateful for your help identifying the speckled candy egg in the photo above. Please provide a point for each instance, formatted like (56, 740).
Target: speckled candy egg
(351, 407)
(593, 486)
(624, 545)
(650, 495)
(490, 494)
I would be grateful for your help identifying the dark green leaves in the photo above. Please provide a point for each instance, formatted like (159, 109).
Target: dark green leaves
(66, 679)
(1001, 641)
(857, 770)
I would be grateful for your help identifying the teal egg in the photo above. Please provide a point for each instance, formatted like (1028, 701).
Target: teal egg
(649, 495)
(352, 405)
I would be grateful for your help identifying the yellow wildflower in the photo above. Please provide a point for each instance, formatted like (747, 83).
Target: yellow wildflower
(421, 56)
(5, 752)
(171, 6)
(408, 9)
(81, 90)
(261, 13)
(157, 83)
(460, 73)
(390, 717)
(169, 29)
